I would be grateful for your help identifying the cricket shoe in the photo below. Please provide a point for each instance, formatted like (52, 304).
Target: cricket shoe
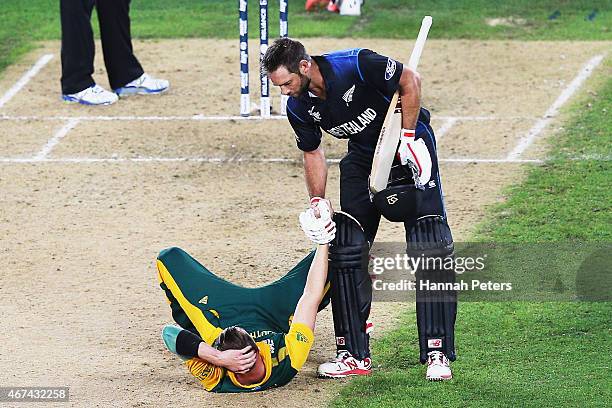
(94, 95)
(169, 334)
(438, 367)
(345, 365)
(143, 85)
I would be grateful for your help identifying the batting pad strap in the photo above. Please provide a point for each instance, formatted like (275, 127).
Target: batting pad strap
(348, 256)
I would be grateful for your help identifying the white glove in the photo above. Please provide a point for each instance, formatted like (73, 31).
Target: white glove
(415, 152)
(320, 230)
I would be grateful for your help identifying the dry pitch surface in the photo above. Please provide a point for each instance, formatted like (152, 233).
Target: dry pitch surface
(87, 203)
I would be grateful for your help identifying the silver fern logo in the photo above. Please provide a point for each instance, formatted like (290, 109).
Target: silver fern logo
(348, 95)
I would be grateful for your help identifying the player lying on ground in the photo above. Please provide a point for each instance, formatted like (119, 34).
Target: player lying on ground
(236, 339)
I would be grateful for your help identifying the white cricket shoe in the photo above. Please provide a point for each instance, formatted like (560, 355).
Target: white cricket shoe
(438, 367)
(345, 365)
(94, 95)
(143, 85)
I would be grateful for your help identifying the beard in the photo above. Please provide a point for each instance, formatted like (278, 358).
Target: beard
(304, 84)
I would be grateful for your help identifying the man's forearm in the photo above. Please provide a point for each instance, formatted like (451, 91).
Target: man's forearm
(209, 354)
(315, 172)
(410, 92)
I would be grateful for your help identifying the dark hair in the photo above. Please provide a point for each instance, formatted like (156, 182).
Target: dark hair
(284, 52)
(234, 338)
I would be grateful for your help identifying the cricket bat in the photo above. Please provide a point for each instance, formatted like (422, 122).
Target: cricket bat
(392, 126)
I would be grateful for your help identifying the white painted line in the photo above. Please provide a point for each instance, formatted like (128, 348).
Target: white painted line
(263, 160)
(553, 110)
(500, 161)
(224, 118)
(144, 118)
(8, 95)
(63, 131)
(446, 126)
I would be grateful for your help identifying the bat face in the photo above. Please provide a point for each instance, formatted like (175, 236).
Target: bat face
(391, 129)
(386, 146)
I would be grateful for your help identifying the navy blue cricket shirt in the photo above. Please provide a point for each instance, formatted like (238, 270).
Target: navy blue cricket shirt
(359, 85)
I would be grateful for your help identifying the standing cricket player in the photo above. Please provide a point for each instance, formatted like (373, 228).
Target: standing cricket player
(237, 339)
(347, 94)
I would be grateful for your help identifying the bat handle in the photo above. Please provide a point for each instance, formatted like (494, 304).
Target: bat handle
(413, 62)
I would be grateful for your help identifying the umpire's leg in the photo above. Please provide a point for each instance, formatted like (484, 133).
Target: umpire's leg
(78, 47)
(121, 64)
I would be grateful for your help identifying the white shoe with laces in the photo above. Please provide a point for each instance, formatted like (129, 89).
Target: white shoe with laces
(345, 365)
(94, 95)
(143, 85)
(438, 367)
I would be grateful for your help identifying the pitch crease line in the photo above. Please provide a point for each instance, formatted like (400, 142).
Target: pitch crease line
(227, 118)
(59, 135)
(446, 126)
(31, 73)
(553, 110)
(227, 160)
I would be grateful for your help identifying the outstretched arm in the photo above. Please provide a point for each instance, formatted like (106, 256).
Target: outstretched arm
(306, 309)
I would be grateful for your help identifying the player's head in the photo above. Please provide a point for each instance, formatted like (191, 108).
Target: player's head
(288, 66)
(234, 338)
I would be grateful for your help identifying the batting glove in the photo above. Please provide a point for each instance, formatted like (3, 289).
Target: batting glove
(322, 229)
(416, 153)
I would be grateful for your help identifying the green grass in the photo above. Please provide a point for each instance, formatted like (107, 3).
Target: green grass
(510, 354)
(523, 354)
(566, 199)
(27, 21)
(526, 20)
